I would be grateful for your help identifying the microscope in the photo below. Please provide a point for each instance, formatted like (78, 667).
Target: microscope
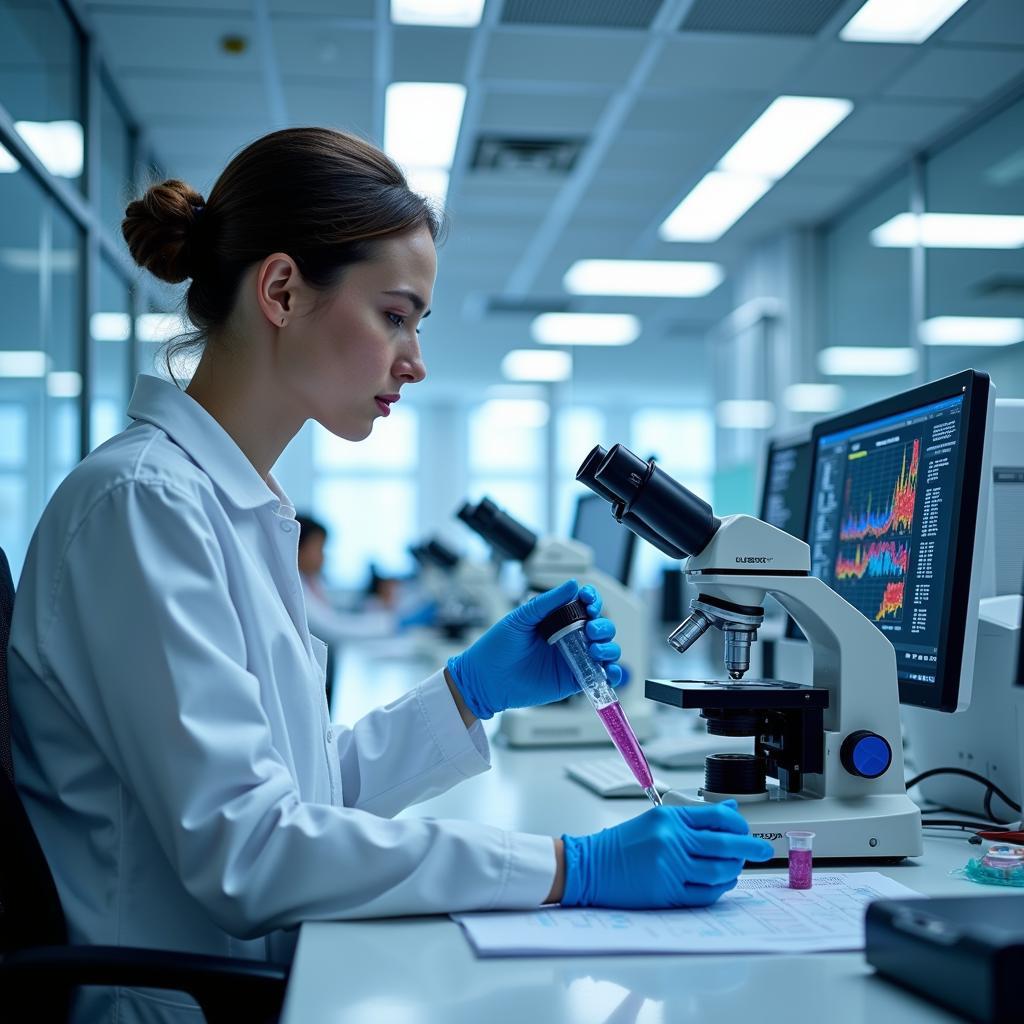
(546, 563)
(827, 756)
(468, 595)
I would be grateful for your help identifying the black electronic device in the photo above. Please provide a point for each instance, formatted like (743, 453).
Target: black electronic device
(963, 952)
(893, 525)
(785, 483)
(613, 545)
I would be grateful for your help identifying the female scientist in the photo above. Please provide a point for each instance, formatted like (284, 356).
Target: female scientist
(172, 742)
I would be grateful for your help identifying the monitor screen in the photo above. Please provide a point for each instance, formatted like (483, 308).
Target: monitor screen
(787, 475)
(611, 542)
(892, 527)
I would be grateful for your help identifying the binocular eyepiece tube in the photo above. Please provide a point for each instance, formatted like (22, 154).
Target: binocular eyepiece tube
(506, 535)
(651, 503)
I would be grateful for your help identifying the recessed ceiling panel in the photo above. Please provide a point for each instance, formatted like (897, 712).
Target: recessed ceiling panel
(581, 13)
(773, 17)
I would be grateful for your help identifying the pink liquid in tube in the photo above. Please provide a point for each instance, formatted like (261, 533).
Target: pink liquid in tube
(624, 738)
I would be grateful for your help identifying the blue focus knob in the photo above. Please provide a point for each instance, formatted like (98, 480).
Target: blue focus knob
(866, 754)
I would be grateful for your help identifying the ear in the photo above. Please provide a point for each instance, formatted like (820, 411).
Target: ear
(277, 281)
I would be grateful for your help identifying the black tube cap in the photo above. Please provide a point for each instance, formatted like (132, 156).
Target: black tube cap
(566, 615)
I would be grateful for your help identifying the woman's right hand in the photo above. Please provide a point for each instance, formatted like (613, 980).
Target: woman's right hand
(665, 857)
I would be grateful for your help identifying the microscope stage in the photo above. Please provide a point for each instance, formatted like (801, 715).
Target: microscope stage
(752, 694)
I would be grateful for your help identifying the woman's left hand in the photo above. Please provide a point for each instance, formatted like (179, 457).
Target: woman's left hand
(513, 666)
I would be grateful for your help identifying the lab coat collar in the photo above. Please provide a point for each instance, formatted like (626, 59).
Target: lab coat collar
(205, 441)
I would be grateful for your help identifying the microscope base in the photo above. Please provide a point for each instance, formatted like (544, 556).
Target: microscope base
(558, 726)
(884, 826)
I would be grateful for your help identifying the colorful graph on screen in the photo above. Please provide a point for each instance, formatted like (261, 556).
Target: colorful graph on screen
(876, 523)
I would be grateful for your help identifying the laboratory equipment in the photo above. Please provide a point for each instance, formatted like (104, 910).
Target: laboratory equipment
(812, 738)
(565, 629)
(1000, 864)
(954, 641)
(801, 856)
(468, 594)
(547, 562)
(962, 952)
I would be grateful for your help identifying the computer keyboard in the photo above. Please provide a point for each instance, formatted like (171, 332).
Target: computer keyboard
(608, 777)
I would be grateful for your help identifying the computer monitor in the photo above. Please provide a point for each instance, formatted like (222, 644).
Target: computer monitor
(612, 543)
(898, 506)
(785, 481)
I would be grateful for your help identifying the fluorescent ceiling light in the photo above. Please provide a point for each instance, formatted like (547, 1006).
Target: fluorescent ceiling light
(717, 201)
(537, 364)
(160, 327)
(110, 326)
(972, 330)
(421, 122)
(867, 361)
(898, 21)
(58, 144)
(673, 278)
(464, 13)
(784, 134)
(64, 384)
(951, 231)
(23, 364)
(585, 328)
(517, 412)
(8, 165)
(431, 182)
(813, 397)
(745, 413)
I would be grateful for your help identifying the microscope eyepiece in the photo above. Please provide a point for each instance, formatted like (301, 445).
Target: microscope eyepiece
(649, 501)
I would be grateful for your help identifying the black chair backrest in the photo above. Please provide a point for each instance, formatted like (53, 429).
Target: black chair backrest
(30, 910)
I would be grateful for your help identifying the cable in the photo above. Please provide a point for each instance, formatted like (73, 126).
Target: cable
(990, 786)
(973, 826)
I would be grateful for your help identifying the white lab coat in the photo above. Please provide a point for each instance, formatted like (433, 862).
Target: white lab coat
(171, 739)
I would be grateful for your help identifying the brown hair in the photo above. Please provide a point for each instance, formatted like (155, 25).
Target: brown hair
(320, 195)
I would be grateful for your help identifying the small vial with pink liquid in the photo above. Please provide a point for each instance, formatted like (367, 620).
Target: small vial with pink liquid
(800, 844)
(564, 629)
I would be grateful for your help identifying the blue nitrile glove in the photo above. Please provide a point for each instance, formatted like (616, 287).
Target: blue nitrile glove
(665, 857)
(513, 666)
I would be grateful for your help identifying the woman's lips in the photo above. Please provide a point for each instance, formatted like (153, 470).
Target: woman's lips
(385, 407)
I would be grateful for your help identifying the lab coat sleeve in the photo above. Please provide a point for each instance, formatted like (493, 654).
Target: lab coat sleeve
(410, 750)
(142, 595)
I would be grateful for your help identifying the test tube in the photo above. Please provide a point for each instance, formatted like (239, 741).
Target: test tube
(800, 844)
(564, 628)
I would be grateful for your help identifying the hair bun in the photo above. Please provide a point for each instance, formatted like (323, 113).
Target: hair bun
(159, 229)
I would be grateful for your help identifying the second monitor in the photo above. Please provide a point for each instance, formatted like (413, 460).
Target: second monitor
(612, 544)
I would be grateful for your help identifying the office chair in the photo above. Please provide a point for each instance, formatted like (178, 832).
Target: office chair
(39, 970)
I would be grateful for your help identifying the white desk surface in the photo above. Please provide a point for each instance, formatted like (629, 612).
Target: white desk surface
(423, 971)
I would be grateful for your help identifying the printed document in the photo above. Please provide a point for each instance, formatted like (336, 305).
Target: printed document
(761, 915)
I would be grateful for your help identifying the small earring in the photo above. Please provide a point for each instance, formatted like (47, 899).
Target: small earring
(282, 321)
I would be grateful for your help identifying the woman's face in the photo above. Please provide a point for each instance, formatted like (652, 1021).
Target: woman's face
(360, 347)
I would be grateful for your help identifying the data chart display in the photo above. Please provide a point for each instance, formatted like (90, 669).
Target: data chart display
(881, 521)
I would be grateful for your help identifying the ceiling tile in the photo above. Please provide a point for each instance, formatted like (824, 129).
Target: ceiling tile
(727, 63)
(540, 114)
(999, 22)
(560, 56)
(324, 103)
(195, 97)
(860, 162)
(181, 42)
(361, 9)
(427, 54)
(958, 73)
(312, 49)
(851, 70)
(905, 124)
